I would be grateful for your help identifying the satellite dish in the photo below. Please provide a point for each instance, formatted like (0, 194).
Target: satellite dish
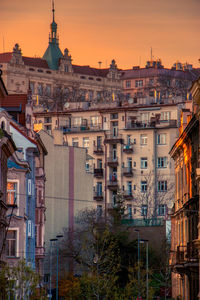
(130, 100)
(66, 105)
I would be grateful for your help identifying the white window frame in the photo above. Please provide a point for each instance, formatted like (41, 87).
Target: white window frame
(143, 162)
(17, 240)
(17, 192)
(162, 162)
(143, 185)
(161, 138)
(143, 139)
(86, 142)
(162, 186)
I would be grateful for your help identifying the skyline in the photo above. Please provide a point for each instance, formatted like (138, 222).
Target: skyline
(101, 31)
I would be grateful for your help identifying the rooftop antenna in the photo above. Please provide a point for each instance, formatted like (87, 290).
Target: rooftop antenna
(100, 62)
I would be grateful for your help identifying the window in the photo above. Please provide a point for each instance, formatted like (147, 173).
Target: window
(161, 210)
(91, 95)
(129, 188)
(134, 163)
(86, 142)
(48, 90)
(11, 243)
(94, 120)
(47, 120)
(151, 81)
(77, 121)
(87, 167)
(114, 116)
(144, 210)
(138, 83)
(99, 211)
(128, 95)
(162, 162)
(75, 142)
(11, 193)
(128, 84)
(144, 117)
(143, 139)
(143, 162)
(40, 89)
(143, 186)
(162, 186)
(129, 210)
(99, 188)
(165, 115)
(32, 87)
(161, 139)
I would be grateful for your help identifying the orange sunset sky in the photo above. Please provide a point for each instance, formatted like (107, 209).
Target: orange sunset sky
(96, 30)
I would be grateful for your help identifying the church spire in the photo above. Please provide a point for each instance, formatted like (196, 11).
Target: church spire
(53, 10)
(53, 38)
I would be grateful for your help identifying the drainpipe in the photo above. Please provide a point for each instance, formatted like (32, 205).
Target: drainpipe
(155, 174)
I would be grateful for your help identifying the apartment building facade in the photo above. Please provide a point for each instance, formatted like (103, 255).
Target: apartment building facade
(184, 229)
(129, 147)
(156, 84)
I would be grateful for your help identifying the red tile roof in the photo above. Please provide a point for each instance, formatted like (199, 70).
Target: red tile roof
(42, 63)
(5, 57)
(87, 70)
(151, 72)
(28, 61)
(16, 101)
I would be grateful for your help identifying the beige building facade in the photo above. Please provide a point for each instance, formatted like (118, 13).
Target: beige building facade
(129, 147)
(68, 185)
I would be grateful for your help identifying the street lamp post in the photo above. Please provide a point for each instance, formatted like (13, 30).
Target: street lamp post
(138, 233)
(51, 240)
(58, 236)
(147, 266)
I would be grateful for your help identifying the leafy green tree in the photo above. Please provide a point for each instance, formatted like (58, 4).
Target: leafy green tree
(19, 281)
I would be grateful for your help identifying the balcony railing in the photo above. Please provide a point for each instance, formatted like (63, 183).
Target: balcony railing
(143, 222)
(128, 148)
(128, 195)
(180, 255)
(98, 196)
(128, 172)
(81, 128)
(192, 252)
(98, 150)
(112, 161)
(113, 138)
(98, 173)
(112, 184)
(151, 124)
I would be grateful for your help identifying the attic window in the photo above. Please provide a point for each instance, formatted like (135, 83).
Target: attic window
(91, 78)
(98, 79)
(39, 70)
(48, 72)
(82, 77)
(31, 69)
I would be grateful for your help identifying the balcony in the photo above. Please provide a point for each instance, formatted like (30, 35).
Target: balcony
(192, 252)
(128, 148)
(128, 172)
(113, 138)
(98, 150)
(128, 195)
(98, 196)
(112, 184)
(180, 255)
(72, 129)
(98, 173)
(112, 162)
